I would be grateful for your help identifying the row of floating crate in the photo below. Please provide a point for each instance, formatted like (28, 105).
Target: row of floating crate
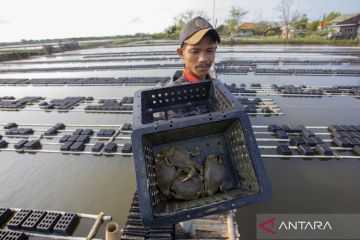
(37, 221)
(305, 149)
(110, 59)
(153, 53)
(91, 68)
(70, 145)
(221, 69)
(85, 81)
(288, 62)
(74, 142)
(221, 63)
(12, 129)
(304, 90)
(67, 103)
(347, 137)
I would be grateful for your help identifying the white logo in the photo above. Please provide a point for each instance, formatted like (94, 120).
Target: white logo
(305, 225)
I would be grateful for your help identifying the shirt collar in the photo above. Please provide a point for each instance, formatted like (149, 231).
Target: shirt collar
(188, 76)
(191, 78)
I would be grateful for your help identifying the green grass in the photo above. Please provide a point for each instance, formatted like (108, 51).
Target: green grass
(290, 41)
(17, 54)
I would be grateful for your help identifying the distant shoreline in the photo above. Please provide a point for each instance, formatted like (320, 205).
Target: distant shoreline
(10, 55)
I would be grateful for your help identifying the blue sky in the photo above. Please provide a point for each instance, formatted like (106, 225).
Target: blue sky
(39, 19)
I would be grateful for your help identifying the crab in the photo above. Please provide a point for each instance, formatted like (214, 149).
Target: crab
(188, 190)
(214, 174)
(165, 173)
(180, 157)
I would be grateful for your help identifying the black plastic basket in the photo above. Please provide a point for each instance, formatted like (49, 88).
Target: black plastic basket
(229, 135)
(174, 103)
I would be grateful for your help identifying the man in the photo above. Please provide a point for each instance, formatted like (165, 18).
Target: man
(198, 44)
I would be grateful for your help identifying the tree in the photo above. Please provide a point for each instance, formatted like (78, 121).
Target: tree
(289, 15)
(182, 18)
(262, 28)
(302, 22)
(232, 23)
(189, 14)
(332, 15)
(313, 26)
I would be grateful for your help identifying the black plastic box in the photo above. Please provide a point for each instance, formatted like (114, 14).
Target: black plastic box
(229, 135)
(97, 147)
(179, 101)
(5, 214)
(20, 144)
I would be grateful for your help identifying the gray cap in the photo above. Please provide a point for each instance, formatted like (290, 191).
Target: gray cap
(195, 30)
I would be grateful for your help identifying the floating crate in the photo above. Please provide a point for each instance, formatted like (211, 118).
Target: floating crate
(11, 235)
(106, 132)
(356, 150)
(317, 140)
(308, 133)
(33, 220)
(336, 128)
(51, 132)
(324, 149)
(127, 148)
(281, 134)
(78, 132)
(66, 146)
(59, 126)
(64, 138)
(5, 214)
(72, 138)
(67, 224)
(179, 101)
(3, 144)
(77, 146)
(286, 128)
(88, 132)
(305, 150)
(97, 147)
(33, 144)
(310, 142)
(20, 131)
(343, 142)
(230, 136)
(283, 149)
(10, 125)
(296, 141)
(83, 138)
(20, 144)
(110, 147)
(126, 127)
(274, 128)
(48, 222)
(18, 219)
(341, 134)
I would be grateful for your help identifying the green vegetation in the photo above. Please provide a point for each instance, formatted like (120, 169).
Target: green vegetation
(17, 54)
(296, 41)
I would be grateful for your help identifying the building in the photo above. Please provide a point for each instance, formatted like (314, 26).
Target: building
(246, 29)
(345, 27)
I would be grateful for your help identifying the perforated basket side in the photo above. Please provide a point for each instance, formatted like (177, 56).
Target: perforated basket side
(241, 157)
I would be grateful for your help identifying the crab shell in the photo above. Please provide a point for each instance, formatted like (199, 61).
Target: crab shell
(165, 174)
(214, 174)
(188, 190)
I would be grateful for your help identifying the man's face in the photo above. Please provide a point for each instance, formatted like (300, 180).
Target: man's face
(198, 58)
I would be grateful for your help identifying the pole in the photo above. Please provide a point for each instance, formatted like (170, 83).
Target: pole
(213, 17)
